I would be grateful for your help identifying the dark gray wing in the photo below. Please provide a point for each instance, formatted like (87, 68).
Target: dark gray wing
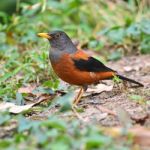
(91, 65)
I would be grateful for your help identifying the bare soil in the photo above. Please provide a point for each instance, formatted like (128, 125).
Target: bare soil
(116, 107)
(110, 108)
(118, 100)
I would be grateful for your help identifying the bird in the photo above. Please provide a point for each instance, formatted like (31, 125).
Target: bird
(75, 66)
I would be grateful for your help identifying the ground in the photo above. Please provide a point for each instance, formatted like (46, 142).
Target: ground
(36, 111)
(134, 102)
(108, 108)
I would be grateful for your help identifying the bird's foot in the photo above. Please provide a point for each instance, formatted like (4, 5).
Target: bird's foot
(74, 110)
(78, 97)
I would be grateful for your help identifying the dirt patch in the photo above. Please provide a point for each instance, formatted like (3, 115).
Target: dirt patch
(119, 101)
(138, 68)
(112, 107)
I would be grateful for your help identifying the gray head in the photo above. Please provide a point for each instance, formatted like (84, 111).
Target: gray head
(59, 41)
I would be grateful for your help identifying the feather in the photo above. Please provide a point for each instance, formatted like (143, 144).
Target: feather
(91, 65)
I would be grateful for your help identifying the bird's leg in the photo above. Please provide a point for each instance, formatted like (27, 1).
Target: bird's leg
(82, 90)
(76, 101)
(78, 97)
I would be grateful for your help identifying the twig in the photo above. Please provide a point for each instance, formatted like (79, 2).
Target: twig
(106, 110)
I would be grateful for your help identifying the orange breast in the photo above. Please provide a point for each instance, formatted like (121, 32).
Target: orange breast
(66, 70)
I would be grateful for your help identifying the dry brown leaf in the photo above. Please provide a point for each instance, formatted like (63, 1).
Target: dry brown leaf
(27, 89)
(16, 109)
(98, 89)
(108, 111)
(12, 108)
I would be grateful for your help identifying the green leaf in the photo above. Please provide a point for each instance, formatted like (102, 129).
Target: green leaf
(4, 143)
(136, 97)
(96, 141)
(24, 124)
(11, 74)
(66, 101)
(145, 45)
(145, 24)
(96, 45)
(19, 99)
(4, 117)
(43, 90)
(3, 37)
(59, 145)
(139, 99)
(134, 30)
(116, 55)
(54, 123)
(51, 84)
(116, 35)
(117, 79)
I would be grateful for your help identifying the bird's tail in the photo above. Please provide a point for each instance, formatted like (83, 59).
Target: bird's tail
(130, 80)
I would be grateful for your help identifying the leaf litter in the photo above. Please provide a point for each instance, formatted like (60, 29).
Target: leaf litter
(117, 110)
(36, 97)
(16, 109)
(123, 111)
(107, 89)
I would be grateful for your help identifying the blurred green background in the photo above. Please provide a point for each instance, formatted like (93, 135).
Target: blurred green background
(120, 22)
(111, 28)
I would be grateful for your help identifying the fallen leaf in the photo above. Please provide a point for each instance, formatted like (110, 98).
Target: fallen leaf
(98, 89)
(27, 89)
(65, 101)
(16, 109)
(108, 111)
(12, 108)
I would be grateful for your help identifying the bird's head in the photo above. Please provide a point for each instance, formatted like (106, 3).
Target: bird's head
(59, 40)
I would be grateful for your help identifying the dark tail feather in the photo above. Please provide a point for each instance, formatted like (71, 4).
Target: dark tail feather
(130, 80)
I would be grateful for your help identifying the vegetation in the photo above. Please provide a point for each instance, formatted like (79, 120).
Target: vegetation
(112, 29)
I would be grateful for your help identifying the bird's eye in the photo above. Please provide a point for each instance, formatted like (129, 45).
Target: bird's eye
(57, 35)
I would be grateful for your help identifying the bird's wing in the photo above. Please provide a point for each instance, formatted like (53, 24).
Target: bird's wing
(91, 65)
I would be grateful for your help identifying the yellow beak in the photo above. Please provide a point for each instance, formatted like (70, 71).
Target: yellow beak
(44, 35)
